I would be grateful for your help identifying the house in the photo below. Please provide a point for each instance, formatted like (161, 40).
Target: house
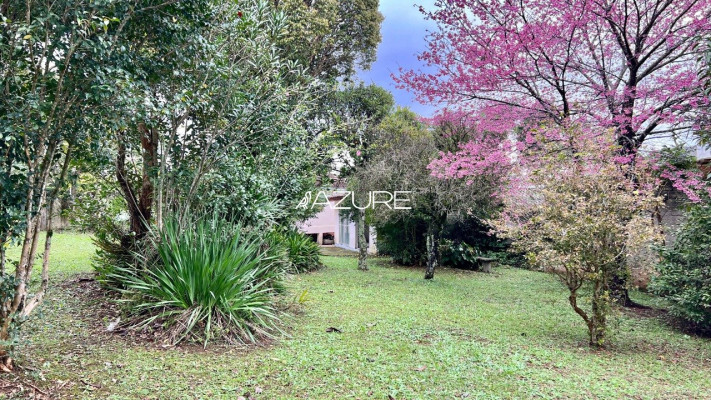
(332, 227)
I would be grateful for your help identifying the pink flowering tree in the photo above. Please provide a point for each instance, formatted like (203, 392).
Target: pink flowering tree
(630, 65)
(627, 69)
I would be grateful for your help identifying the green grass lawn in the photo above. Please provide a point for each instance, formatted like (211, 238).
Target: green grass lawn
(70, 254)
(510, 334)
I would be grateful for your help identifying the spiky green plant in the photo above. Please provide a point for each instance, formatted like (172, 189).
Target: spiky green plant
(213, 280)
(302, 252)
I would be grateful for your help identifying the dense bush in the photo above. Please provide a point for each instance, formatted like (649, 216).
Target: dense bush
(459, 254)
(302, 254)
(212, 280)
(685, 270)
(404, 240)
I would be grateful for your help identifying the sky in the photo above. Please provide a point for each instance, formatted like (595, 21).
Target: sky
(404, 30)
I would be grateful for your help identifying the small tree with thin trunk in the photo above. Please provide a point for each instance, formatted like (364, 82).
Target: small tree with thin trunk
(52, 81)
(578, 212)
(357, 111)
(402, 163)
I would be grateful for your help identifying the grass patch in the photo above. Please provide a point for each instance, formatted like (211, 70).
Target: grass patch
(70, 254)
(510, 334)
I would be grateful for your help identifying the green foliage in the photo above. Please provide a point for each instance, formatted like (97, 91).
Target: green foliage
(303, 253)
(402, 239)
(356, 111)
(72, 75)
(213, 280)
(461, 336)
(443, 208)
(229, 122)
(459, 254)
(679, 156)
(685, 270)
(331, 37)
(478, 235)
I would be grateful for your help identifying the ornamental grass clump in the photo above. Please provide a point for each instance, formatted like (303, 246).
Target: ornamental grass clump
(213, 281)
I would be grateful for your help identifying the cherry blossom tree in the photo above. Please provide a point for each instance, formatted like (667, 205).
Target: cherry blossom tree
(629, 65)
(628, 68)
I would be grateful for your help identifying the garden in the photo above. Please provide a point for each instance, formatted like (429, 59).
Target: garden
(465, 334)
(210, 199)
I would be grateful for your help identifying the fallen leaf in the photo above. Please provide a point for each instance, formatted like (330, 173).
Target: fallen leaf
(421, 368)
(332, 329)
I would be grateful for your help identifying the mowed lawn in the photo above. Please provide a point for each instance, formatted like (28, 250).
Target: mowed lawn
(510, 334)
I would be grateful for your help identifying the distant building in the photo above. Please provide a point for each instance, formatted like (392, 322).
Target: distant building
(332, 227)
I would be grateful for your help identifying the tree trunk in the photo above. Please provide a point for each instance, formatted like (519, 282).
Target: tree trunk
(37, 299)
(432, 254)
(140, 208)
(619, 277)
(14, 308)
(629, 145)
(600, 307)
(2, 256)
(362, 243)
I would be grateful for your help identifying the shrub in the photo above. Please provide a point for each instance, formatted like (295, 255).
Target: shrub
(579, 213)
(685, 270)
(212, 280)
(403, 239)
(459, 254)
(303, 254)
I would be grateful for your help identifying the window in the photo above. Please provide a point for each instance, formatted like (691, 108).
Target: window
(344, 236)
(327, 239)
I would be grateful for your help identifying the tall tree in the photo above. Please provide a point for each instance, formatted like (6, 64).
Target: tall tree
(332, 37)
(357, 111)
(62, 64)
(219, 127)
(628, 66)
(401, 162)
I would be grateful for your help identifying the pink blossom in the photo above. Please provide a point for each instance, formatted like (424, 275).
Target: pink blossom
(530, 70)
